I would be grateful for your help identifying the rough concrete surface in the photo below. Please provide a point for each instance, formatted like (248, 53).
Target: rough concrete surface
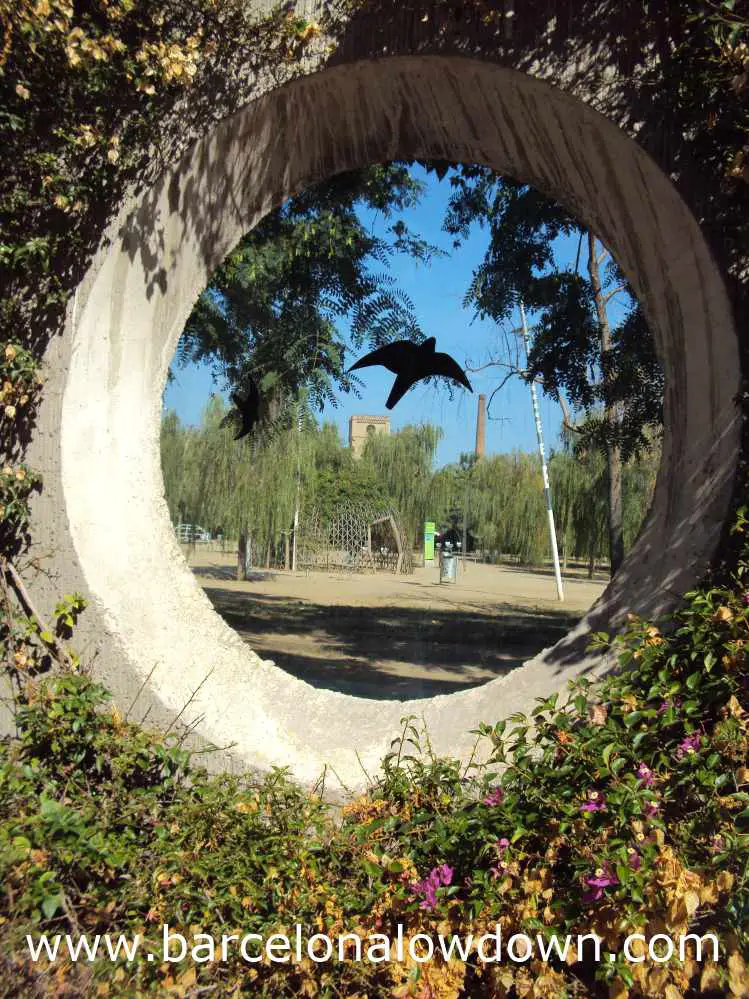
(102, 522)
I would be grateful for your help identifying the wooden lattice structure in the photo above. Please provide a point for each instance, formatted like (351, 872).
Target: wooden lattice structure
(357, 538)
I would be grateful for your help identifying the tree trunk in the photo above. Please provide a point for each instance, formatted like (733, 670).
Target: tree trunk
(242, 557)
(616, 528)
(591, 563)
(613, 451)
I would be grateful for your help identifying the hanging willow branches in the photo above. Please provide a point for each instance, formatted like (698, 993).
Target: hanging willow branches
(248, 489)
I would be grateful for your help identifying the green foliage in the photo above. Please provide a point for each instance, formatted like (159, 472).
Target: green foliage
(249, 487)
(276, 305)
(566, 354)
(337, 479)
(620, 808)
(403, 462)
(506, 512)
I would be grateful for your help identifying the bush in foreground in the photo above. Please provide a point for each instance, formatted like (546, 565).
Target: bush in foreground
(624, 810)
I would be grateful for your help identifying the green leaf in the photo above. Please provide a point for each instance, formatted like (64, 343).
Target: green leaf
(633, 718)
(50, 905)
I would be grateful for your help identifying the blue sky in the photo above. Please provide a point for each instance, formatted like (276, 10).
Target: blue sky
(437, 292)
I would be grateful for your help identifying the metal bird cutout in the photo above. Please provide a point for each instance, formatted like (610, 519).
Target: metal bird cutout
(247, 409)
(411, 362)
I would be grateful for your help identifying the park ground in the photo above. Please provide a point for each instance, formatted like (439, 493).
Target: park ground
(395, 637)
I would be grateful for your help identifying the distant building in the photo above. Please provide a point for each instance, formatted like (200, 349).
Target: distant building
(481, 428)
(360, 428)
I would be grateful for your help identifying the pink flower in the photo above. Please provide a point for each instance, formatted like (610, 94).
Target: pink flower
(595, 803)
(602, 878)
(634, 859)
(650, 809)
(689, 744)
(501, 866)
(717, 843)
(665, 705)
(426, 889)
(646, 775)
(495, 796)
(445, 873)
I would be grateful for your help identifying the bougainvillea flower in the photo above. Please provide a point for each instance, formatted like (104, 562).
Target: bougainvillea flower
(717, 843)
(665, 705)
(595, 803)
(604, 877)
(426, 889)
(445, 873)
(646, 775)
(689, 744)
(634, 860)
(650, 809)
(495, 796)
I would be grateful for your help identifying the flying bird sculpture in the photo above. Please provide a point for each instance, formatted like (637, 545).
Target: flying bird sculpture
(411, 362)
(247, 409)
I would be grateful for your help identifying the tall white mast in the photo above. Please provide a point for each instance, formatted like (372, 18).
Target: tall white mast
(544, 469)
(298, 484)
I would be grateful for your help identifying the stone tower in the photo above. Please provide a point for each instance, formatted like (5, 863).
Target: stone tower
(360, 427)
(481, 428)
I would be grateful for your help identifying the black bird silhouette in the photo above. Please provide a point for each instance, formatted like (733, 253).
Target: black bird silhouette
(247, 409)
(411, 362)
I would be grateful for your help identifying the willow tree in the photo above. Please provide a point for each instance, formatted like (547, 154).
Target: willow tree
(181, 461)
(579, 487)
(586, 354)
(246, 488)
(337, 478)
(507, 501)
(172, 440)
(403, 463)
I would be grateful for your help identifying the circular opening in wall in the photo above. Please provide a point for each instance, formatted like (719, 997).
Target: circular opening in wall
(168, 644)
(385, 531)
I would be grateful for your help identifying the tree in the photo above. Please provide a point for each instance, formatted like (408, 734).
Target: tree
(249, 491)
(278, 303)
(404, 465)
(605, 369)
(338, 478)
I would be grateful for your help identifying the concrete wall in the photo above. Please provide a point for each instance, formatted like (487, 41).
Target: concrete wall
(102, 522)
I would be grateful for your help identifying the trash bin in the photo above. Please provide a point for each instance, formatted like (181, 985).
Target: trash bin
(448, 568)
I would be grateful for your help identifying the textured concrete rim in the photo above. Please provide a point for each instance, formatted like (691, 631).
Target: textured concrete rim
(132, 305)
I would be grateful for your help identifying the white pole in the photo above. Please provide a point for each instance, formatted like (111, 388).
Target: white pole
(544, 469)
(298, 487)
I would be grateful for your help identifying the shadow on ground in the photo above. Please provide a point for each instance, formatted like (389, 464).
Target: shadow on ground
(389, 652)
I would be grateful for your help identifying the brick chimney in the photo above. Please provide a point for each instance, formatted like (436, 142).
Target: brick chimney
(481, 428)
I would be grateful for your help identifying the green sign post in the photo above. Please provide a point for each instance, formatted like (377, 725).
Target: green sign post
(429, 541)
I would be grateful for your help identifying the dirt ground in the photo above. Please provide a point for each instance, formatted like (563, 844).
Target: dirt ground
(395, 637)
